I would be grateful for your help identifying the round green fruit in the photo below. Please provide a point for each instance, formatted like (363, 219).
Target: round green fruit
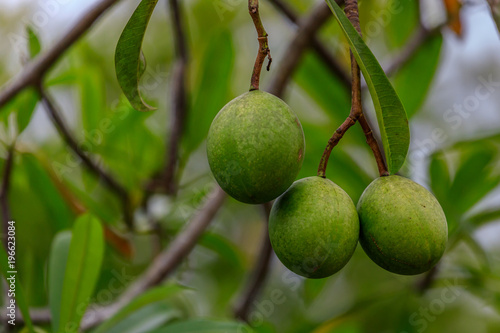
(314, 227)
(403, 227)
(255, 147)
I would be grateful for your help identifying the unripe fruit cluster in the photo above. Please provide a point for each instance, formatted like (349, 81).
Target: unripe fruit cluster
(255, 149)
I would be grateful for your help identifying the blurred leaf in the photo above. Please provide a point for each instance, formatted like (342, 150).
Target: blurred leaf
(485, 217)
(403, 19)
(146, 319)
(312, 288)
(323, 87)
(223, 247)
(82, 271)
(56, 271)
(19, 293)
(453, 10)
(414, 79)
(92, 98)
(128, 63)
(212, 87)
(391, 114)
(34, 45)
(473, 179)
(151, 296)
(40, 182)
(440, 177)
(495, 11)
(205, 326)
(22, 106)
(477, 248)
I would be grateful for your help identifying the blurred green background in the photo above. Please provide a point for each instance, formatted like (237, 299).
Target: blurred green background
(450, 88)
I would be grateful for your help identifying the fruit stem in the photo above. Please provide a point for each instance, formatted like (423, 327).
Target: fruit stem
(356, 113)
(264, 51)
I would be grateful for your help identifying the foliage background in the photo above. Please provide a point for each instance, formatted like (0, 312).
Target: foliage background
(453, 153)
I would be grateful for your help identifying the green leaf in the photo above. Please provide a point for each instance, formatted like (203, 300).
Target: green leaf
(473, 179)
(147, 318)
(22, 106)
(57, 267)
(19, 297)
(223, 247)
(129, 64)
(151, 296)
(485, 217)
(211, 89)
(82, 271)
(34, 45)
(325, 89)
(205, 326)
(402, 22)
(92, 98)
(391, 114)
(440, 177)
(414, 79)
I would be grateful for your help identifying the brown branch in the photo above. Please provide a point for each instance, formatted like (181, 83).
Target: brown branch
(264, 51)
(178, 96)
(356, 114)
(259, 274)
(33, 73)
(324, 54)
(66, 135)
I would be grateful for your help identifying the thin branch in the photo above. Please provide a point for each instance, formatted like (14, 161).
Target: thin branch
(259, 274)
(356, 113)
(33, 73)
(165, 263)
(427, 280)
(65, 133)
(321, 50)
(264, 51)
(178, 97)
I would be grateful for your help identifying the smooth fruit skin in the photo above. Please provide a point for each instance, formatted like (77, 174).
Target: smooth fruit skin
(314, 227)
(403, 227)
(255, 147)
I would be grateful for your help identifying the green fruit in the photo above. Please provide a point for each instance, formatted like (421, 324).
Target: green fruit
(314, 227)
(403, 227)
(255, 147)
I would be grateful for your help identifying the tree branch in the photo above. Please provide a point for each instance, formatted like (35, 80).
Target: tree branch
(33, 73)
(260, 272)
(356, 113)
(178, 95)
(264, 51)
(324, 54)
(109, 181)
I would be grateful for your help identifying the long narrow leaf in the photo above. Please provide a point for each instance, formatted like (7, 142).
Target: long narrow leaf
(129, 62)
(391, 114)
(57, 267)
(82, 270)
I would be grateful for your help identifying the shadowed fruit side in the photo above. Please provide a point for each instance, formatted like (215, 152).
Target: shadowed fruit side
(403, 227)
(255, 147)
(314, 227)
